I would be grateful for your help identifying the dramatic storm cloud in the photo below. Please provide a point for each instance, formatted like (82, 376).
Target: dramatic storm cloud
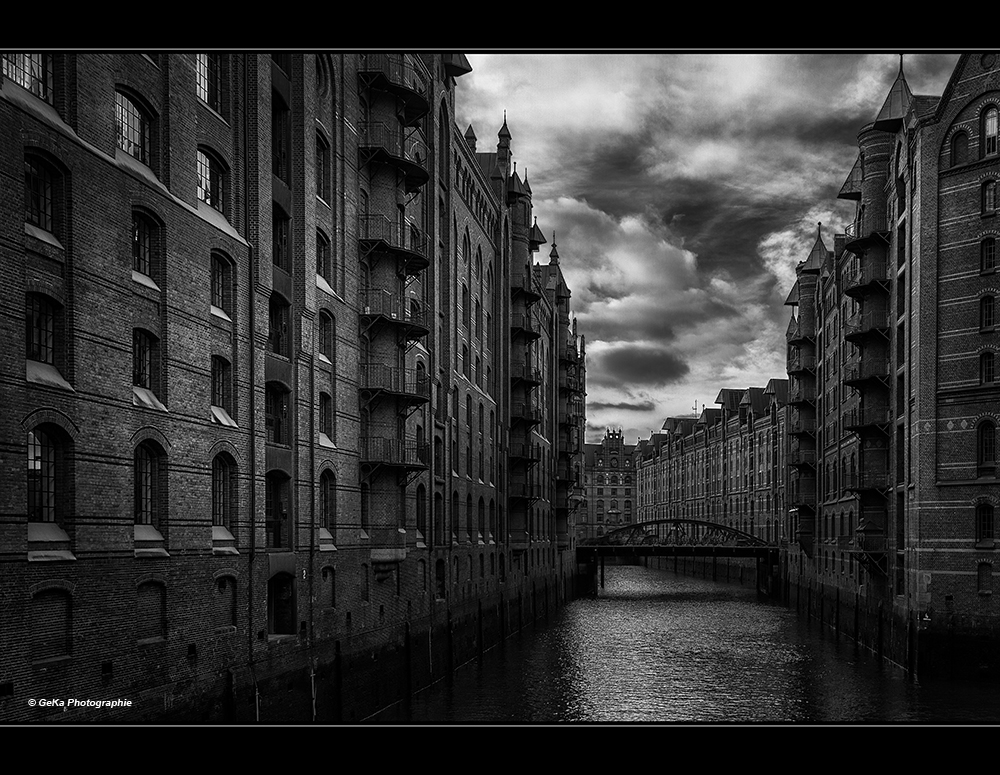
(682, 190)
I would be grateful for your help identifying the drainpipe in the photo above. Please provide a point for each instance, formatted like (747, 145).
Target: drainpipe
(251, 295)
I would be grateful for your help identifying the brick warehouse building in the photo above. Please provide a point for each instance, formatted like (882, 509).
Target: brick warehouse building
(295, 422)
(893, 352)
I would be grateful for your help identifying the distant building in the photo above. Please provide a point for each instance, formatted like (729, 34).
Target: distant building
(610, 480)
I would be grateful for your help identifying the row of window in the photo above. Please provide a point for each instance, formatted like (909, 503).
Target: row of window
(50, 487)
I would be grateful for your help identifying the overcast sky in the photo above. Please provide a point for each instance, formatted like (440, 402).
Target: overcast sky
(683, 189)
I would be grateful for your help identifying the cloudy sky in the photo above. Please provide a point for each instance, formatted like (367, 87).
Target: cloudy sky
(683, 189)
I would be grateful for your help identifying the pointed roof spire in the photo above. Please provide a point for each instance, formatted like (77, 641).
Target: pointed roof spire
(470, 138)
(504, 133)
(817, 256)
(896, 104)
(553, 254)
(527, 188)
(535, 237)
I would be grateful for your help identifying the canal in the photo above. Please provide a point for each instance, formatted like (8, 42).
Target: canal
(656, 646)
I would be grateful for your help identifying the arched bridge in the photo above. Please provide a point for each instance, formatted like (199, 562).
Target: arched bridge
(678, 532)
(678, 538)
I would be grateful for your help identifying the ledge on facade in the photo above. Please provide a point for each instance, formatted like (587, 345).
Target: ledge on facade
(148, 542)
(219, 313)
(326, 441)
(221, 417)
(144, 397)
(326, 542)
(145, 279)
(45, 374)
(223, 541)
(47, 542)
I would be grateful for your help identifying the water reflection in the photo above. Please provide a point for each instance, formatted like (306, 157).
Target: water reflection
(659, 647)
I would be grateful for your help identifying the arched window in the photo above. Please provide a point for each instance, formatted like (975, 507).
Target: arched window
(454, 516)
(988, 255)
(987, 319)
(987, 372)
(48, 478)
(959, 149)
(989, 197)
(482, 518)
(223, 489)
(134, 128)
(328, 502)
(984, 522)
(986, 450)
(493, 519)
(149, 478)
(32, 72)
(989, 131)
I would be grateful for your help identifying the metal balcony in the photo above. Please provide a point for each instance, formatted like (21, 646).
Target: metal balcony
(392, 308)
(802, 457)
(522, 284)
(802, 394)
(802, 493)
(871, 226)
(865, 417)
(864, 323)
(804, 333)
(526, 413)
(379, 450)
(523, 326)
(525, 372)
(868, 367)
(801, 363)
(409, 385)
(522, 489)
(801, 426)
(525, 451)
(395, 74)
(405, 241)
(380, 143)
(873, 275)
(868, 480)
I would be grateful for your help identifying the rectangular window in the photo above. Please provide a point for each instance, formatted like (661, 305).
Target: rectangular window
(40, 319)
(281, 139)
(280, 246)
(39, 194)
(210, 181)
(322, 169)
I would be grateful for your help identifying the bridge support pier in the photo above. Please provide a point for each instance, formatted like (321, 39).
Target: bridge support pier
(602, 571)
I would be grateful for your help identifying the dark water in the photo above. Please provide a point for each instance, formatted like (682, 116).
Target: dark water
(659, 647)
